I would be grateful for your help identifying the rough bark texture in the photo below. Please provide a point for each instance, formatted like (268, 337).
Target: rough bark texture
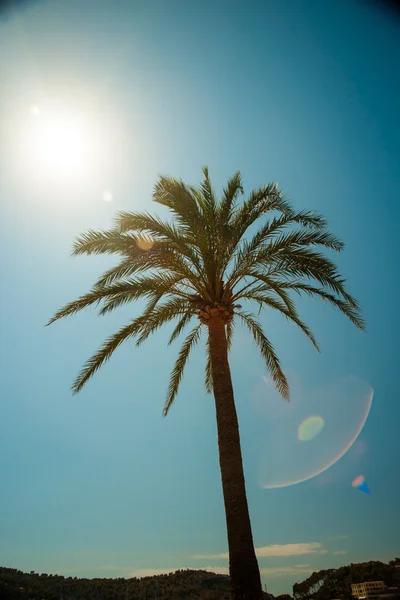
(243, 566)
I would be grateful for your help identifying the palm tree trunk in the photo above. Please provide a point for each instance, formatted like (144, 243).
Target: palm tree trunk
(243, 566)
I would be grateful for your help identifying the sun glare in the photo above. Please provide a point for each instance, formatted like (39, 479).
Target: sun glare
(64, 145)
(59, 145)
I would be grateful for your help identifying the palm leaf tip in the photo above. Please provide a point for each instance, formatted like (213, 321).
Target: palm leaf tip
(359, 321)
(283, 388)
(177, 372)
(105, 352)
(268, 353)
(75, 388)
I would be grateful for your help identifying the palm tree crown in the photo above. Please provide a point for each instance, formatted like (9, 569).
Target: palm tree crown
(202, 264)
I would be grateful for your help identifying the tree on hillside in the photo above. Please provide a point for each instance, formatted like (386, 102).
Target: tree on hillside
(199, 266)
(310, 586)
(336, 583)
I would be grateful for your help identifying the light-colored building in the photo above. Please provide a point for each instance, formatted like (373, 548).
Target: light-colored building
(368, 590)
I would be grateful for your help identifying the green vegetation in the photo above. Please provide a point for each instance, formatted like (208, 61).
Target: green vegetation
(16, 585)
(321, 585)
(336, 583)
(199, 266)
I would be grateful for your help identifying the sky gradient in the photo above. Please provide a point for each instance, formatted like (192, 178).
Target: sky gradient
(303, 93)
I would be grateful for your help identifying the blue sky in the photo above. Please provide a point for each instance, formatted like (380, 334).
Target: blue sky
(303, 93)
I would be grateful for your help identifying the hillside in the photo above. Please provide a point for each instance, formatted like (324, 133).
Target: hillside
(336, 583)
(202, 585)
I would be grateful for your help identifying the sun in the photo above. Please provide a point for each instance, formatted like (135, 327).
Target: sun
(64, 146)
(59, 145)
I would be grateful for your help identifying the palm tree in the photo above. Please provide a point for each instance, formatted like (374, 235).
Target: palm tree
(198, 266)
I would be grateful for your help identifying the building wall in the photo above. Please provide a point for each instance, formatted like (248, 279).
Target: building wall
(368, 589)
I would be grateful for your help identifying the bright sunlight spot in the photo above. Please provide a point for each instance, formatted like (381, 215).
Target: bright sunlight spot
(58, 144)
(107, 196)
(66, 145)
(63, 145)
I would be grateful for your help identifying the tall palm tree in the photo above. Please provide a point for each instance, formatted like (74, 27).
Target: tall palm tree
(198, 266)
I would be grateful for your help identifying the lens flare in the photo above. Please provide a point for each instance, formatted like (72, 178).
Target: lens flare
(309, 428)
(267, 403)
(145, 242)
(107, 196)
(34, 110)
(360, 483)
(306, 436)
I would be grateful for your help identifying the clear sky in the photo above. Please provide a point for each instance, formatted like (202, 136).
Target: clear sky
(303, 93)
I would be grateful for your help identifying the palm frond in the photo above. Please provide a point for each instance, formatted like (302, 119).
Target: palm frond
(179, 199)
(162, 254)
(124, 269)
(161, 315)
(261, 201)
(268, 285)
(157, 284)
(308, 219)
(103, 242)
(186, 204)
(131, 288)
(290, 244)
(285, 297)
(138, 261)
(303, 262)
(287, 309)
(151, 224)
(206, 234)
(267, 352)
(177, 372)
(208, 382)
(117, 301)
(172, 244)
(208, 201)
(183, 321)
(104, 353)
(349, 309)
(153, 299)
(230, 193)
(292, 240)
(313, 265)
